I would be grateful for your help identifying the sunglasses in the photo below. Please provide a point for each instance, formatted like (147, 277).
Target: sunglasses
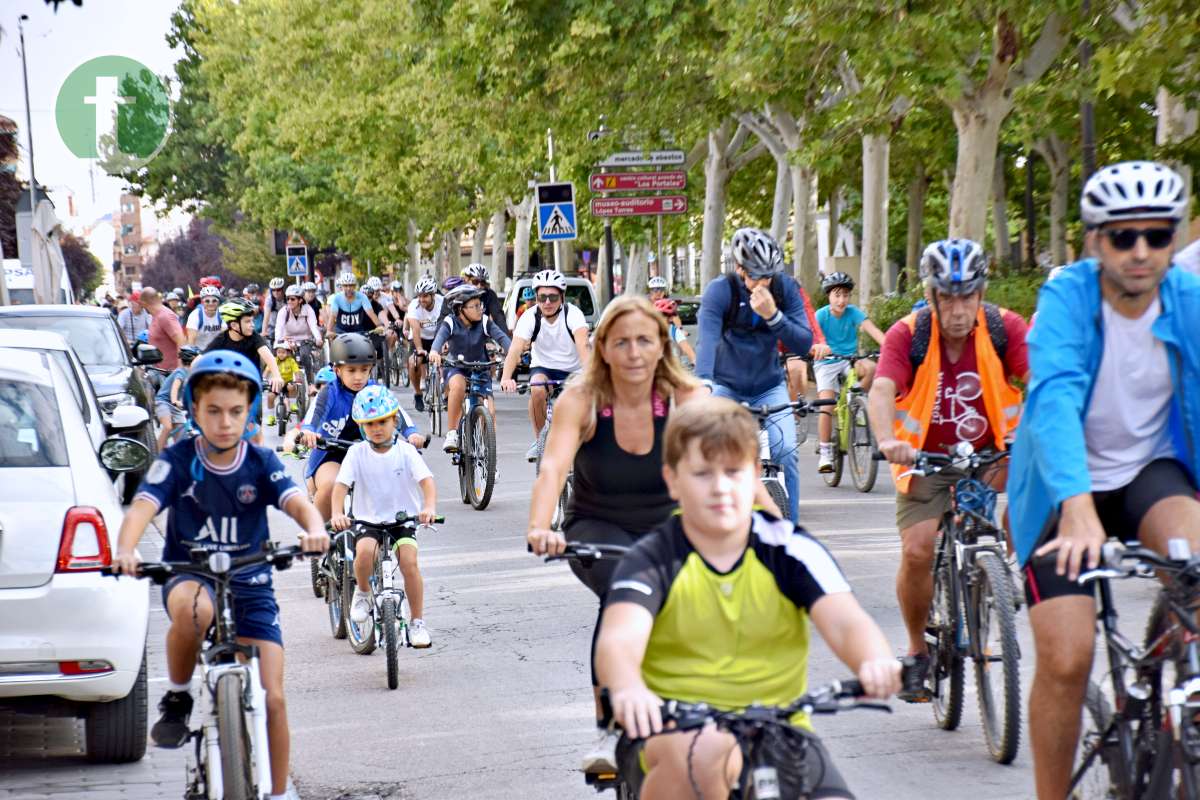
(1126, 238)
(548, 298)
(211, 301)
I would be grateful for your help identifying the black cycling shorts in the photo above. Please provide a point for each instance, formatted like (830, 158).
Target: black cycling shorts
(1121, 512)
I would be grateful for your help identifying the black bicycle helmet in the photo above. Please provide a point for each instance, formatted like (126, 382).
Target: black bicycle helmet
(836, 279)
(461, 295)
(188, 353)
(351, 348)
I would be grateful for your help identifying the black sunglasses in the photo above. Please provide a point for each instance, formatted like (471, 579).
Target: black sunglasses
(549, 298)
(1126, 238)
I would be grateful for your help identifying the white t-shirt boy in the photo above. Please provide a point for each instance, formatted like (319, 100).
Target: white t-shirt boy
(384, 483)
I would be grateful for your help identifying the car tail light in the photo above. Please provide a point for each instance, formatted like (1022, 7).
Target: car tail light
(83, 667)
(84, 545)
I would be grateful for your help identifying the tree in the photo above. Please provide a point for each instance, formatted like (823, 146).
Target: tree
(189, 256)
(84, 269)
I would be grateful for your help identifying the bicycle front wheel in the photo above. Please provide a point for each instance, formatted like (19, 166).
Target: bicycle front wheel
(481, 456)
(234, 739)
(433, 400)
(778, 494)
(387, 621)
(863, 466)
(1098, 768)
(995, 655)
(834, 476)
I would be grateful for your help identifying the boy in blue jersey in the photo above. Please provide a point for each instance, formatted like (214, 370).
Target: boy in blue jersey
(217, 487)
(839, 322)
(352, 356)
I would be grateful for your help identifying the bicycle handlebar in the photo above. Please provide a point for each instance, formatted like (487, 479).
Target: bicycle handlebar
(327, 443)
(1118, 560)
(471, 365)
(800, 406)
(525, 388)
(209, 564)
(402, 520)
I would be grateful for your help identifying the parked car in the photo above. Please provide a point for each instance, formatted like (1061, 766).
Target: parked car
(689, 308)
(579, 291)
(73, 643)
(117, 374)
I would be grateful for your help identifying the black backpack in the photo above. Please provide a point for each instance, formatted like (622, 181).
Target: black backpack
(923, 330)
(730, 318)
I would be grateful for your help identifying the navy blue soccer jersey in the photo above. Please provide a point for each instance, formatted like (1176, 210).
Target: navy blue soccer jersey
(217, 508)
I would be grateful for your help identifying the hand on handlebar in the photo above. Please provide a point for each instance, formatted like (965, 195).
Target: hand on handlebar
(427, 516)
(340, 522)
(880, 677)
(435, 358)
(638, 711)
(543, 541)
(125, 563)
(314, 541)
(310, 439)
(276, 385)
(820, 351)
(1080, 534)
(898, 452)
(508, 385)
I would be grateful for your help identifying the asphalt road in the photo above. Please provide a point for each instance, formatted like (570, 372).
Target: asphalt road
(500, 706)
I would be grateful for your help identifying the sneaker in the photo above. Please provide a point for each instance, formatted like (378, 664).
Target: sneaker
(171, 730)
(531, 454)
(418, 634)
(825, 461)
(451, 444)
(360, 608)
(603, 755)
(916, 689)
(270, 420)
(419, 402)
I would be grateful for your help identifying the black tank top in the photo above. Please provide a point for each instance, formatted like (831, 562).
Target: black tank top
(619, 487)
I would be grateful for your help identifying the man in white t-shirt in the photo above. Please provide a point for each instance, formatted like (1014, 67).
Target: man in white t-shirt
(557, 333)
(204, 323)
(422, 321)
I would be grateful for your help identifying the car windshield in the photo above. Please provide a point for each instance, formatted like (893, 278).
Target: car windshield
(580, 296)
(93, 337)
(30, 434)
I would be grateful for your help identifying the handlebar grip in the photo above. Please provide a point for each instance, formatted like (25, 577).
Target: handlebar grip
(830, 401)
(852, 687)
(878, 456)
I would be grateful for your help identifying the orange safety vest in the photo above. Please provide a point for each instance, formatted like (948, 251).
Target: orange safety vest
(914, 411)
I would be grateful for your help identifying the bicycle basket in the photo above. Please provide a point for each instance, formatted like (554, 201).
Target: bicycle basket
(976, 497)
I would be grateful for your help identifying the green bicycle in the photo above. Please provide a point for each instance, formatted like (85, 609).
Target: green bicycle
(852, 438)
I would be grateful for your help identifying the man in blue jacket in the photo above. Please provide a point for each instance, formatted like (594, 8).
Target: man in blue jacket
(1106, 447)
(742, 317)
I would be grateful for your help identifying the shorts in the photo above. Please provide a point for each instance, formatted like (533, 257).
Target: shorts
(829, 374)
(557, 375)
(928, 497)
(411, 541)
(485, 386)
(1121, 512)
(427, 344)
(164, 409)
(255, 612)
(821, 772)
(584, 530)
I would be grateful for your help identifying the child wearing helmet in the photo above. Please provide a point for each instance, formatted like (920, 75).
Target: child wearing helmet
(390, 476)
(289, 369)
(216, 487)
(168, 402)
(204, 322)
(679, 337)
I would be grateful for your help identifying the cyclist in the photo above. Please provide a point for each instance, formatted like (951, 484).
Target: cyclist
(1107, 444)
(422, 321)
(273, 303)
(945, 376)
(210, 483)
(840, 322)
(204, 323)
(399, 299)
(239, 336)
(382, 312)
(477, 275)
(742, 315)
(168, 402)
(312, 301)
(389, 476)
(735, 630)
(353, 357)
(466, 329)
(679, 338)
(296, 322)
(556, 333)
(253, 295)
(349, 311)
(289, 370)
(656, 287)
(528, 301)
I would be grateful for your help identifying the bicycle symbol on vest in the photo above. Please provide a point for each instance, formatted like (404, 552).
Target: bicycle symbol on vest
(969, 424)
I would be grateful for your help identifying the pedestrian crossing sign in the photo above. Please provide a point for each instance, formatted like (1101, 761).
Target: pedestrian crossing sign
(556, 212)
(297, 261)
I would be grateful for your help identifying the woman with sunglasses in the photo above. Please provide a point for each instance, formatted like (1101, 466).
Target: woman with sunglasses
(204, 323)
(297, 325)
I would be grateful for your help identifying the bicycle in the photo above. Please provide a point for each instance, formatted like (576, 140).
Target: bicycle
(852, 432)
(974, 606)
(326, 572)
(434, 398)
(389, 606)
(305, 358)
(1149, 746)
(382, 371)
(284, 407)
(772, 470)
(398, 358)
(230, 758)
(553, 390)
(476, 455)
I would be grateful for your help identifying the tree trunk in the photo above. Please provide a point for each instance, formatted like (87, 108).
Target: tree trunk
(978, 126)
(454, 251)
(804, 239)
(523, 214)
(499, 248)
(479, 241)
(602, 274)
(414, 256)
(633, 277)
(1176, 122)
(917, 186)
(835, 219)
(783, 199)
(1000, 214)
(716, 173)
(1053, 151)
(873, 261)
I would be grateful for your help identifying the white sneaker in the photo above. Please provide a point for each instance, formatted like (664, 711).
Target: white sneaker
(360, 609)
(825, 461)
(531, 454)
(451, 444)
(603, 755)
(418, 634)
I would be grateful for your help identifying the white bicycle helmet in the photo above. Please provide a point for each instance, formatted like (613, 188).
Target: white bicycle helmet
(657, 282)
(397, 286)
(293, 291)
(309, 286)
(1133, 190)
(476, 272)
(757, 252)
(374, 284)
(347, 279)
(426, 286)
(210, 291)
(276, 283)
(550, 277)
(954, 266)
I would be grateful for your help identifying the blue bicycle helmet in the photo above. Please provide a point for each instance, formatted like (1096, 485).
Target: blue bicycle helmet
(144, 337)
(227, 362)
(324, 375)
(374, 403)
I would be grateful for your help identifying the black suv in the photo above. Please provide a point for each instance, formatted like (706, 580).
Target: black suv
(115, 371)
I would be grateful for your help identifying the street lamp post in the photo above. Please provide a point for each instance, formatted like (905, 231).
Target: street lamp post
(28, 117)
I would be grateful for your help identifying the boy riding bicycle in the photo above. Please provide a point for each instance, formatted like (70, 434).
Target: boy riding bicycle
(217, 487)
(714, 606)
(389, 476)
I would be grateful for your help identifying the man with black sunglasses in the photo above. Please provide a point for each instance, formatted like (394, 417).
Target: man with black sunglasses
(1107, 443)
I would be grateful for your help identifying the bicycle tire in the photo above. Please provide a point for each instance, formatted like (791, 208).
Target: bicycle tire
(778, 496)
(480, 455)
(835, 477)
(992, 599)
(947, 664)
(234, 739)
(387, 621)
(433, 384)
(281, 412)
(385, 364)
(1102, 780)
(301, 397)
(1154, 722)
(318, 581)
(361, 636)
(864, 469)
(333, 594)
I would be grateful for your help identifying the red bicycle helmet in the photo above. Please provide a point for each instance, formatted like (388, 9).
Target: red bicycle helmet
(666, 306)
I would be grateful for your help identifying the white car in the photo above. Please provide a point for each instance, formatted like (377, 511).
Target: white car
(71, 640)
(579, 291)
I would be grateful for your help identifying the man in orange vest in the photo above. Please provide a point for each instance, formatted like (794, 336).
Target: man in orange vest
(945, 376)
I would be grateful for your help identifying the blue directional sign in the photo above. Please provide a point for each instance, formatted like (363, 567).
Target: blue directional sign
(556, 212)
(297, 261)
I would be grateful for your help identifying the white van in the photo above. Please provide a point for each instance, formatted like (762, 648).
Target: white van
(19, 280)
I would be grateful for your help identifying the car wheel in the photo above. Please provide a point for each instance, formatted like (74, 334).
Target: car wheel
(115, 732)
(133, 480)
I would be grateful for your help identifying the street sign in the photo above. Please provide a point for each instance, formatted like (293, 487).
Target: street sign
(637, 158)
(556, 211)
(297, 260)
(638, 181)
(639, 206)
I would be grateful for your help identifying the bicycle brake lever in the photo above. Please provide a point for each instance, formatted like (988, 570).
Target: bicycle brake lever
(920, 473)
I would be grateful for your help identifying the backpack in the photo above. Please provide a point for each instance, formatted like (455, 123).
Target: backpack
(730, 317)
(537, 321)
(923, 330)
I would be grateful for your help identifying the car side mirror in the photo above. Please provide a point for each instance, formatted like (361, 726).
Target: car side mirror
(125, 417)
(146, 354)
(121, 454)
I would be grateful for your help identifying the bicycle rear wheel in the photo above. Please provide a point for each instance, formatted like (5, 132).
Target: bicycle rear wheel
(433, 400)
(995, 656)
(481, 457)
(1102, 778)
(236, 774)
(863, 467)
(835, 477)
(333, 591)
(947, 666)
(361, 635)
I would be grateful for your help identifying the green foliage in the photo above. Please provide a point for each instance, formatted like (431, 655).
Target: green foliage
(249, 252)
(1016, 292)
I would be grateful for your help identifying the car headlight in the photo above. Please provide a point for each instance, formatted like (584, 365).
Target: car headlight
(109, 402)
